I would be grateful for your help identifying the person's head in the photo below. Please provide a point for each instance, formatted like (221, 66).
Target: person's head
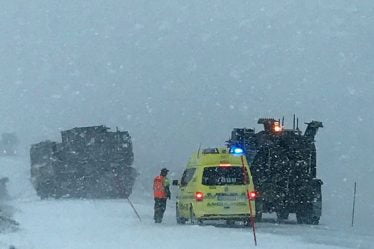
(164, 172)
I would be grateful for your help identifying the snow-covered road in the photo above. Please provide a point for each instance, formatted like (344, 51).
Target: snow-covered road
(78, 224)
(91, 224)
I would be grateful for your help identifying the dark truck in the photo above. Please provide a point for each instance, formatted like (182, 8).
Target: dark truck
(283, 165)
(90, 162)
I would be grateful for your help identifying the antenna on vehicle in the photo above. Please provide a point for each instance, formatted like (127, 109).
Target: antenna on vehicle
(294, 117)
(198, 151)
(297, 124)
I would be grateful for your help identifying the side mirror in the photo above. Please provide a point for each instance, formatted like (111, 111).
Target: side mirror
(175, 183)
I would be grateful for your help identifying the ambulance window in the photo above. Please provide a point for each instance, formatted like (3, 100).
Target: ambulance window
(187, 176)
(223, 176)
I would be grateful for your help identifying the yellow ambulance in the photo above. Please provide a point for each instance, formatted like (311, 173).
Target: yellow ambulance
(216, 185)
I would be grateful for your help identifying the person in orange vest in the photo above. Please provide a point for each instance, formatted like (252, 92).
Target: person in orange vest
(161, 192)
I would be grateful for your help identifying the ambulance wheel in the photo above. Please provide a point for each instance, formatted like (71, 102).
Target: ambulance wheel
(247, 222)
(230, 222)
(180, 220)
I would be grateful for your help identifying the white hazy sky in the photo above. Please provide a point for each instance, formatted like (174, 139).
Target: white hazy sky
(177, 73)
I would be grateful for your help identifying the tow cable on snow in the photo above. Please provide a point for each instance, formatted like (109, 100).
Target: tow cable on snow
(133, 208)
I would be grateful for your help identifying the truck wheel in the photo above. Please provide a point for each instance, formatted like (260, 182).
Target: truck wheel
(258, 216)
(307, 219)
(259, 209)
(42, 195)
(306, 216)
(282, 215)
(180, 220)
(314, 220)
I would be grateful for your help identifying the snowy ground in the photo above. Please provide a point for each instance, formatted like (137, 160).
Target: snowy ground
(78, 224)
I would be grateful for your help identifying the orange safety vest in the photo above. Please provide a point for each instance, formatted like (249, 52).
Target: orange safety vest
(159, 187)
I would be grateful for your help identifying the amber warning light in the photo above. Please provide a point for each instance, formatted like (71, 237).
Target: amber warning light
(277, 127)
(225, 164)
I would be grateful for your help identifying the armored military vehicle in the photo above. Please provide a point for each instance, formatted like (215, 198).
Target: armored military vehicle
(90, 162)
(283, 165)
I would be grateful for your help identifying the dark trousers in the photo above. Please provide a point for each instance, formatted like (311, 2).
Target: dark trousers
(160, 206)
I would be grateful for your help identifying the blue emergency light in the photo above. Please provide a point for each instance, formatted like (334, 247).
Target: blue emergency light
(237, 151)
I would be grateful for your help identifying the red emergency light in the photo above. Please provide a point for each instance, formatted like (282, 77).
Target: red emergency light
(199, 196)
(252, 195)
